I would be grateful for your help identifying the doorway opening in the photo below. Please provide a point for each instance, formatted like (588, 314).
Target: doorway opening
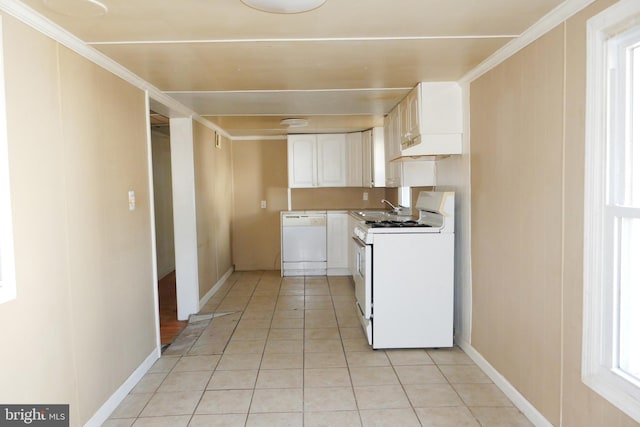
(170, 326)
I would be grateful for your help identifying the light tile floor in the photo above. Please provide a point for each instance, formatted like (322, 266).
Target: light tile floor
(290, 352)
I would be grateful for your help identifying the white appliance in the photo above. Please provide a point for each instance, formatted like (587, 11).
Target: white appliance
(304, 243)
(404, 276)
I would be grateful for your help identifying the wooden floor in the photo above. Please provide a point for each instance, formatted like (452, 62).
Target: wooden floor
(170, 326)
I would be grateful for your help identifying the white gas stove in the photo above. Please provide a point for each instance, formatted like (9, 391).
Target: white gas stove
(436, 215)
(404, 276)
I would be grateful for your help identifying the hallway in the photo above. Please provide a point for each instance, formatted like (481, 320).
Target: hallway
(291, 352)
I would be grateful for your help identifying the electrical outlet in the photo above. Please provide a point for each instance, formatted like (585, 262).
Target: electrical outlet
(263, 204)
(132, 200)
(365, 196)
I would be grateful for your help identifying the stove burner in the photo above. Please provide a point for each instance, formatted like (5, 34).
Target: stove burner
(389, 223)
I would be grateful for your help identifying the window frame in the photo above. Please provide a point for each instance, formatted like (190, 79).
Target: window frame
(600, 304)
(7, 259)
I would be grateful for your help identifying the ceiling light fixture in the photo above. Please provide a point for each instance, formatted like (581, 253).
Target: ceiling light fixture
(284, 6)
(294, 123)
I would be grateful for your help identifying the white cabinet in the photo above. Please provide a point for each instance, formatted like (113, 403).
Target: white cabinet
(373, 158)
(378, 157)
(356, 162)
(338, 237)
(410, 116)
(428, 122)
(392, 148)
(366, 154)
(392, 134)
(355, 159)
(317, 160)
(302, 159)
(332, 160)
(400, 171)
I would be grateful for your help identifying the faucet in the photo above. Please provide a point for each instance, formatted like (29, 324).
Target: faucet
(396, 209)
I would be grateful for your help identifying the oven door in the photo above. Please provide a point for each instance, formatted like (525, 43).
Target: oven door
(363, 285)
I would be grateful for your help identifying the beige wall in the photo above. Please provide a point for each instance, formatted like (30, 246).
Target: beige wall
(259, 173)
(163, 202)
(84, 318)
(337, 198)
(527, 154)
(516, 171)
(213, 188)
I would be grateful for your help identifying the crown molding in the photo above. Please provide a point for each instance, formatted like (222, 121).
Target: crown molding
(50, 29)
(548, 22)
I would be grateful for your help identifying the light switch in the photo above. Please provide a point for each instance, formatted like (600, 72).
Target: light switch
(132, 200)
(263, 204)
(365, 196)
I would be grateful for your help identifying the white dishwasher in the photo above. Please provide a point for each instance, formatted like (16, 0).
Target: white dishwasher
(304, 243)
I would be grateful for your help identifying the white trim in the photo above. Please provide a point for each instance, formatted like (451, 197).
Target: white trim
(7, 255)
(307, 39)
(465, 324)
(116, 398)
(152, 218)
(598, 368)
(509, 390)
(552, 19)
(205, 299)
(338, 272)
(184, 216)
(361, 89)
(30, 17)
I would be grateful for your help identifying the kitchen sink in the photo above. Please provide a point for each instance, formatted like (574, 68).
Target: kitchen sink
(382, 215)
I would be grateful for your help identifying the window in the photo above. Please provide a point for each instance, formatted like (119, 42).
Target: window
(7, 267)
(611, 349)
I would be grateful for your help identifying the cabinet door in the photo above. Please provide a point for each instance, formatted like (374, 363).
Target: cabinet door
(392, 148)
(413, 114)
(332, 165)
(378, 157)
(356, 162)
(302, 161)
(392, 143)
(367, 158)
(338, 242)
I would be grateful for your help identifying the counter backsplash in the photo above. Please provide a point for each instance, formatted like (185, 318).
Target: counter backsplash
(347, 198)
(343, 198)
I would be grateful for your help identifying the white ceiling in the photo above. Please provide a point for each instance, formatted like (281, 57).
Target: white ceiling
(342, 66)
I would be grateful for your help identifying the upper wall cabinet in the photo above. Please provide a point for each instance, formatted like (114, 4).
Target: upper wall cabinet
(355, 159)
(392, 147)
(317, 160)
(427, 122)
(373, 158)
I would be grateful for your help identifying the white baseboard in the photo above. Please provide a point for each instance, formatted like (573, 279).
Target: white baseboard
(116, 398)
(338, 272)
(514, 395)
(205, 299)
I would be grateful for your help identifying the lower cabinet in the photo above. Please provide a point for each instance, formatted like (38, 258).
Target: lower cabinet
(338, 238)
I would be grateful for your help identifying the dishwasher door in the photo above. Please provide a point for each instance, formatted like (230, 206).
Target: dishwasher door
(304, 243)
